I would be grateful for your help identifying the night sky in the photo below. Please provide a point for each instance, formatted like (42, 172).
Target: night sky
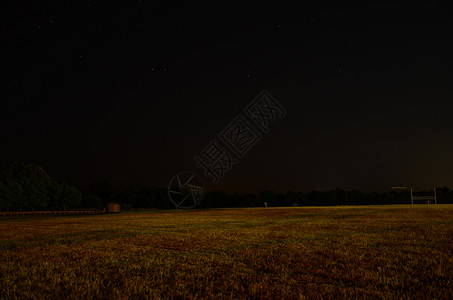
(130, 93)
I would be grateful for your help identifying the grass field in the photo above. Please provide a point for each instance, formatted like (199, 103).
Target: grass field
(314, 252)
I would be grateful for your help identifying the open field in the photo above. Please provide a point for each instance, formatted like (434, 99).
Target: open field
(332, 252)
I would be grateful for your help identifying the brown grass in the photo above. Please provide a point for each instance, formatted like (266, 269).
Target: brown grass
(328, 252)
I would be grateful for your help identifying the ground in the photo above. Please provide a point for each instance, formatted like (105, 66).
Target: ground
(395, 251)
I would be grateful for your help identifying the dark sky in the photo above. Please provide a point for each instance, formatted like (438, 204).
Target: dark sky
(130, 93)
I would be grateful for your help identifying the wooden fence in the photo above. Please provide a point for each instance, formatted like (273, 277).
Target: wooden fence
(50, 212)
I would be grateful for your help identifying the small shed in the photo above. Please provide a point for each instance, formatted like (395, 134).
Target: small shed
(113, 207)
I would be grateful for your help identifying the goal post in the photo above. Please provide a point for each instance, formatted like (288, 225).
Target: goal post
(428, 198)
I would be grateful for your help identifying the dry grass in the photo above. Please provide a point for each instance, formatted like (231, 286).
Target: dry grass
(344, 252)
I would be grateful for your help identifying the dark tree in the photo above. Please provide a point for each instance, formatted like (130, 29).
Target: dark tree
(29, 187)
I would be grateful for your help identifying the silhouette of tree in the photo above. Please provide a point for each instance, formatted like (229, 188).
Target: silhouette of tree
(25, 186)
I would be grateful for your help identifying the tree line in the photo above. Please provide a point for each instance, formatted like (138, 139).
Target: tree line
(29, 187)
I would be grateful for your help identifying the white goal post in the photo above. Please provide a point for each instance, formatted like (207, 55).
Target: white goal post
(426, 198)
